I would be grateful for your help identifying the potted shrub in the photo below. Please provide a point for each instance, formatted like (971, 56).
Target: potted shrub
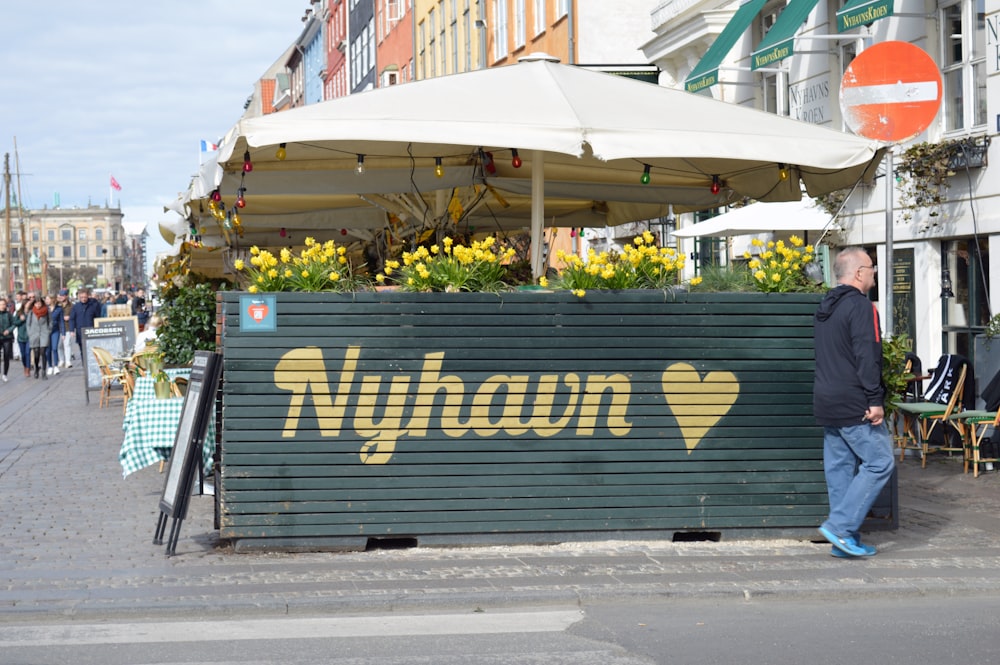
(161, 385)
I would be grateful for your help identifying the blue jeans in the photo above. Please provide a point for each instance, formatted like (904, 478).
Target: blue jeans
(52, 351)
(25, 354)
(858, 462)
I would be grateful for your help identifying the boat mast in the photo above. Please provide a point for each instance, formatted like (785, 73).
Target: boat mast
(24, 230)
(8, 278)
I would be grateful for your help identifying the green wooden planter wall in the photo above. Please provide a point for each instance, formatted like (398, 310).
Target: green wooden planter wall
(524, 416)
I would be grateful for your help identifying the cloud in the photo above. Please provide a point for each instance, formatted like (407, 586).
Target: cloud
(129, 89)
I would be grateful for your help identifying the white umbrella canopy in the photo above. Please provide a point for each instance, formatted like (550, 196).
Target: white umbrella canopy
(788, 216)
(584, 139)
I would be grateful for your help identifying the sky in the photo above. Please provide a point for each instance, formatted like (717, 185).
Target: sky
(128, 89)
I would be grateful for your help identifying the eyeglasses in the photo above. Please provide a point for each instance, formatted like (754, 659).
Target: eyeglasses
(873, 268)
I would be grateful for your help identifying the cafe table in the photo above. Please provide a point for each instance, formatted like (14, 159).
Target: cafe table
(150, 426)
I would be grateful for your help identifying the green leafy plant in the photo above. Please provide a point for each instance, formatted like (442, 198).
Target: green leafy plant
(725, 279)
(894, 376)
(480, 267)
(318, 267)
(992, 329)
(189, 324)
(780, 268)
(640, 265)
(923, 173)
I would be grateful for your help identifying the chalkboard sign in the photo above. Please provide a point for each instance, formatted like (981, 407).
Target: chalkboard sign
(129, 323)
(111, 338)
(196, 414)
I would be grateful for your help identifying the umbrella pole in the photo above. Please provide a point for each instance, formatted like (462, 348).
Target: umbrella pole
(537, 211)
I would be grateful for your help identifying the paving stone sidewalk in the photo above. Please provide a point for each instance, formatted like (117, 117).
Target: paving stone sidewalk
(76, 540)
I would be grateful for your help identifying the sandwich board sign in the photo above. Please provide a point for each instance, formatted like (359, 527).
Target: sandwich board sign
(891, 92)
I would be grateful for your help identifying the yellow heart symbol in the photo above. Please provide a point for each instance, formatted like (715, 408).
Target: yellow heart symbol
(698, 403)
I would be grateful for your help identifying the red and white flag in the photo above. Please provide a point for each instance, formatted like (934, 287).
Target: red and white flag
(115, 185)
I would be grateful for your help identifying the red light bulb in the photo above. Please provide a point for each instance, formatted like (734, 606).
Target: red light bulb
(716, 185)
(515, 159)
(247, 164)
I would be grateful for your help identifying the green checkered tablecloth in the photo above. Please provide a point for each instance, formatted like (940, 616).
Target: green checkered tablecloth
(150, 429)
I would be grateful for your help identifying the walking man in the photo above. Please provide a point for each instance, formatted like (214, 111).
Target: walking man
(82, 316)
(848, 401)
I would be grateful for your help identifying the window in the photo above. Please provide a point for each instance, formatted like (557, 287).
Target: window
(15, 236)
(539, 16)
(773, 99)
(51, 235)
(422, 41)
(467, 26)
(520, 29)
(443, 44)
(963, 26)
(454, 38)
(562, 8)
(432, 46)
(15, 253)
(66, 234)
(83, 251)
(499, 29)
(98, 251)
(34, 235)
(968, 312)
(98, 234)
(52, 251)
(82, 235)
(67, 252)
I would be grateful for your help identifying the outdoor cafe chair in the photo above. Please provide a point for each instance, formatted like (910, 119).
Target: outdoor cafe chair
(110, 376)
(974, 425)
(921, 418)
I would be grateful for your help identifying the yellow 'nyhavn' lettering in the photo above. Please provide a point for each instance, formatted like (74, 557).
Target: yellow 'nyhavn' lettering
(303, 373)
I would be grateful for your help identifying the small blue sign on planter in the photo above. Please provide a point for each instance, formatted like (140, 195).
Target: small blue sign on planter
(258, 313)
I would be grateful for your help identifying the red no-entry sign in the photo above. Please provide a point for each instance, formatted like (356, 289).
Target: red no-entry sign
(890, 92)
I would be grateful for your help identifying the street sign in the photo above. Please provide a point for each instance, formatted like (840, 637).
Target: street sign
(890, 92)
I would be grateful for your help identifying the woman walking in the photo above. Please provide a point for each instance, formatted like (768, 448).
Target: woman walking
(7, 331)
(39, 334)
(21, 336)
(58, 328)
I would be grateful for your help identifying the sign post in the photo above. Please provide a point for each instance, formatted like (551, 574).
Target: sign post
(891, 92)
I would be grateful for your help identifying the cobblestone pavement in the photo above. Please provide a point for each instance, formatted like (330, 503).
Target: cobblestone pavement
(76, 540)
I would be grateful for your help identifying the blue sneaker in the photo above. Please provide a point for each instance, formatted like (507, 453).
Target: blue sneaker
(840, 554)
(845, 544)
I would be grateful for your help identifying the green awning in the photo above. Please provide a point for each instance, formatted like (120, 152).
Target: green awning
(779, 40)
(862, 12)
(706, 72)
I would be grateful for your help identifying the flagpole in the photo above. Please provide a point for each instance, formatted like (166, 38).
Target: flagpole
(111, 193)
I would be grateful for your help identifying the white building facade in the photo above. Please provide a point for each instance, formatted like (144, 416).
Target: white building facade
(789, 56)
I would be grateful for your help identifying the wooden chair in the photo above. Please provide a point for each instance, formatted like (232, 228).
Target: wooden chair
(110, 376)
(921, 418)
(974, 425)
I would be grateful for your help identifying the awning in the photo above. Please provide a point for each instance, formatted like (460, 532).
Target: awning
(862, 12)
(779, 40)
(788, 216)
(706, 72)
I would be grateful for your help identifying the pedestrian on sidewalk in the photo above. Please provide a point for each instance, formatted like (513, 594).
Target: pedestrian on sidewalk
(848, 401)
(58, 328)
(21, 323)
(84, 312)
(7, 332)
(67, 340)
(39, 335)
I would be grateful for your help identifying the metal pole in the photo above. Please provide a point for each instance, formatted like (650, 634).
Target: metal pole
(537, 212)
(887, 274)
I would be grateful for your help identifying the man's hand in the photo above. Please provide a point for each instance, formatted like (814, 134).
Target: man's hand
(875, 415)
